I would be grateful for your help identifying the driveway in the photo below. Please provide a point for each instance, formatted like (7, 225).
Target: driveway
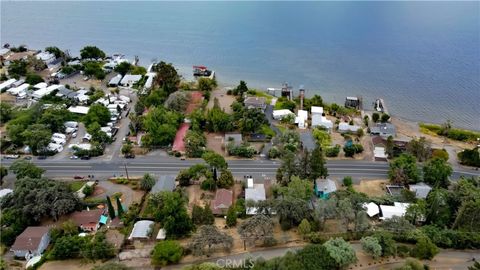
(128, 195)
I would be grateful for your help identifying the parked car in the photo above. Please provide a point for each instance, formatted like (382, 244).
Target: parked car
(11, 156)
(74, 157)
(42, 157)
(27, 157)
(78, 177)
(85, 158)
(130, 156)
(74, 135)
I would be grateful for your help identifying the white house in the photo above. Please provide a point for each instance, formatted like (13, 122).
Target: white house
(40, 85)
(115, 81)
(280, 114)
(345, 127)
(371, 208)
(316, 110)
(301, 119)
(17, 90)
(54, 147)
(7, 84)
(79, 109)
(129, 80)
(398, 209)
(31, 242)
(59, 136)
(46, 57)
(71, 124)
(321, 121)
(46, 91)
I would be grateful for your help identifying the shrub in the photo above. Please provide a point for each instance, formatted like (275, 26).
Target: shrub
(208, 184)
(166, 252)
(332, 151)
(274, 152)
(347, 181)
(87, 190)
(425, 249)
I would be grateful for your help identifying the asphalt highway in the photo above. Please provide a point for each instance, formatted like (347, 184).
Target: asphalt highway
(169, 165)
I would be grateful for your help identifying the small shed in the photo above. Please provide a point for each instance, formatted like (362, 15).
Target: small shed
(389, 211)
(162, 234)
(316, 110)
(323, 188)
(371, 208)
(31, 242)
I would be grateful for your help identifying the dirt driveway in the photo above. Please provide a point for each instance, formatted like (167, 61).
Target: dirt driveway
(223, 99)
(128, 195)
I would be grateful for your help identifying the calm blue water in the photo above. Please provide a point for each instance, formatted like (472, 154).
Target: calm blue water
(423, 58)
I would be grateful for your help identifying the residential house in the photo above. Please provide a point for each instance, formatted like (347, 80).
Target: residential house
(254, 192)
(142, 230)
(88, 220)
(384, 130)
(323, 188)
(389, 211)
(301, 119)
(316, 110)
(129, 80)
(318, 120)
(115, 81)
(40, 85)
(31, 242)
(280, 114)
(255, 103)
(19, 89)
(7, 84)
(164, 183)
(46, 57)
(223, 200)
(421, 190)
(79, 109)
(4, 192)
(345, 127)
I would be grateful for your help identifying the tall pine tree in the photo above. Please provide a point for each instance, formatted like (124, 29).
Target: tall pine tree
(111, 211)
(317, 164)
(119, 207)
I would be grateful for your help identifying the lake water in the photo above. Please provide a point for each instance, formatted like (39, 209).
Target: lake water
(423, 58)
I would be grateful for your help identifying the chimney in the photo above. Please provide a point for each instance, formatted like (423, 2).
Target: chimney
(302, 96)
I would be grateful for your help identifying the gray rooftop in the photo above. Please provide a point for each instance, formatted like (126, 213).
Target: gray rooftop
(421, 190)
(141, 229)
(383, 128)
(164, 183)
(326, 185)
(237, 138)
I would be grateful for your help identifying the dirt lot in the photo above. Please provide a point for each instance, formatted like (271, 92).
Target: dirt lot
(128, 195)
(215, 142)
(223, 99)
(371, 187)
(68, 264)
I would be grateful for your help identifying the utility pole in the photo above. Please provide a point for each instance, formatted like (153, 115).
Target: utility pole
(126, 171)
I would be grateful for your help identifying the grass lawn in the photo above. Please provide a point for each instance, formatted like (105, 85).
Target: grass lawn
(76, 185)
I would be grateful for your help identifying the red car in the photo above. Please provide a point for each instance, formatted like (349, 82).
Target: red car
(78, 177)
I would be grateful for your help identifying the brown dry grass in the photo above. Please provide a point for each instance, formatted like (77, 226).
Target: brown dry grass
(224, 100)
(215, 142)
(371, 187)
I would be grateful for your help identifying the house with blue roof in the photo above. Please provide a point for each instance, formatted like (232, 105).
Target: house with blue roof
(323, 188)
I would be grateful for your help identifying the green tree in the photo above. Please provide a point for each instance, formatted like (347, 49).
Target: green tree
(119, 207)
(17, 69)
(403, 170)
(375, 117)
(385, 239)
(470, 157)
(54, 118)
(147, 182)
(91, 52)
(3, 173)
(389, 147)
(161, 126)
(371, 246)
(317, 164)
(416, 211)
(425, 249)
(304, 228)
(341, 251)
(178, 101)
(167, 77)
(111, 210)
(297, 189)
(195, 144)
(217, 120)
(67, 247)
(475, 266)
(240, 89)
(123, 68)
(97, 113)
(436, 172)
(439, 211)
(226, 179)
(23, 168)
(33, 78)
(166, 252)
(38, 137)
(362, 222)
(421, 149)
(290, 211)
(257, 228)
(6, 112)
(92, 68)
(169, 208)
(468, 216)
(385, 117)
(232, 216)
(206, 84)
(202, 215)
(55, 51)
(347, 181)
(127, 149)
(98, 248)
(215, 160)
